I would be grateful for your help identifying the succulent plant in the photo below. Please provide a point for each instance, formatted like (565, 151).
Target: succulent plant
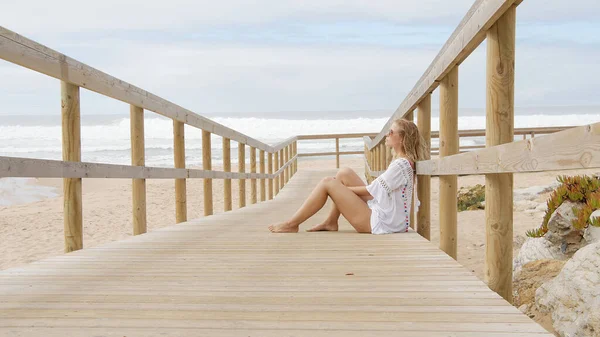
(583, 189)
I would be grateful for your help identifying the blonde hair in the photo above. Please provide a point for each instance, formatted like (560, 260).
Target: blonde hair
(413, 144)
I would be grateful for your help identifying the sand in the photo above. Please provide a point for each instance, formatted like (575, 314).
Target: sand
(34, 231)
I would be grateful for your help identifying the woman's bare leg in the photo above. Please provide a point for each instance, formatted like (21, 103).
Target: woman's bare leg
(350, 205)
(349, 178)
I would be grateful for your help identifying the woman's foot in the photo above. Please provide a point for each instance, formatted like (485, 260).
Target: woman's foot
(326, 226)
(284, 227)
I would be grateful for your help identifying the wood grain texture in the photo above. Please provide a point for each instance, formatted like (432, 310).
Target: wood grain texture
(280, 171)
(448, 146)
(138, 158)
(242, 169)
(180, 184)
(207, 165)
(253, 170)
(575, 148)
(500, 130)
(227, 197)
(271, 177)
(337, 153)
(71, 151)
(424, 181)
(263, 186)
(276, 179)
(198, 279)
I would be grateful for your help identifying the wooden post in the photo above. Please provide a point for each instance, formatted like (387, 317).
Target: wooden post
(286, 155)
(207, 165)
(263, 192)
(270, 171)
(281, 178)
(276, 155)
(138, 188)
(500, 130)
(252, 170)
(448, 146)
(227, 200)
(376, 158)
(337, 153)
(388, 156)
(180, 184)
(424, 182)
(411, 117)
(71, 151)
(382, 157)
(242, 169)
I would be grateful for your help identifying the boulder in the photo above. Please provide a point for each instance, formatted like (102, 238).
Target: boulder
(591, 233)
(561, 231)
(536, 249)
(573, 297)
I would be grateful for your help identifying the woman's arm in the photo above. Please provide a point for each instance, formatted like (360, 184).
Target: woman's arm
(360, 190)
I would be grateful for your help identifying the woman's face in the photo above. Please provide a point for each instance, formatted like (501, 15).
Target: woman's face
(393, 138)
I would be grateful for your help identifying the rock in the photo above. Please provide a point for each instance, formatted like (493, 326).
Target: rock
(573, 297)
(534, 249)
(531, 277)
(591, 233)
(561, 231)
(532, 192)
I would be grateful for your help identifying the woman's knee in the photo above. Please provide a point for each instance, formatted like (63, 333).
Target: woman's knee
(344, 172)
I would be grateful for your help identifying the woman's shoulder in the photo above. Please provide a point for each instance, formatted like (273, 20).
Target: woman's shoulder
(404, 162)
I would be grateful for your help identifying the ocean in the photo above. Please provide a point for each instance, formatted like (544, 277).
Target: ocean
(105, 138)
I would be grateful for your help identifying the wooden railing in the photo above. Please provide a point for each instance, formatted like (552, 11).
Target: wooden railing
(531, 132)
(73, 75)
(575, 148)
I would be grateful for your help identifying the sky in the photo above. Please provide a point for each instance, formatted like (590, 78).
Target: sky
(253, 57)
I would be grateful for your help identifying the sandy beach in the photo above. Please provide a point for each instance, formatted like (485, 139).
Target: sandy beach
(34, 231)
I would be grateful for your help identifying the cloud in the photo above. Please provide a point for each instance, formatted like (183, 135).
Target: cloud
(293, 56)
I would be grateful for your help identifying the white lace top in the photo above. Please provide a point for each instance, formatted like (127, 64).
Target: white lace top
(392, 192)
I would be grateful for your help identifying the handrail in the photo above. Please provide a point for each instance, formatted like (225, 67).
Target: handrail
(465, 38)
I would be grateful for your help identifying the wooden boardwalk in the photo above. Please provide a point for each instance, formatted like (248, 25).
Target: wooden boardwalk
(226, 275)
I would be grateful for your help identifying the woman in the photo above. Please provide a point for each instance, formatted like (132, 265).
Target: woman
(382, 207)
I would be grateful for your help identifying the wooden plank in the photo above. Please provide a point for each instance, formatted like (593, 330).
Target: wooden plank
(500, 115)
(336, 135)
(574, 148)
(253, 170)
(180, 184)
(424, 181)
(337, 153)
(207, 165)
(276, 163)
(256, 282)
(465, 38)
(227, 197)
(138, 158)
(42, 168)
(318, 154)
(270, 171)
(241, 169)
(263, 186)
(448, 146)
(71, 151)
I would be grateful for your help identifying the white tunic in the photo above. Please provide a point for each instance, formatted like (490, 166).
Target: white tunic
(392, 192)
